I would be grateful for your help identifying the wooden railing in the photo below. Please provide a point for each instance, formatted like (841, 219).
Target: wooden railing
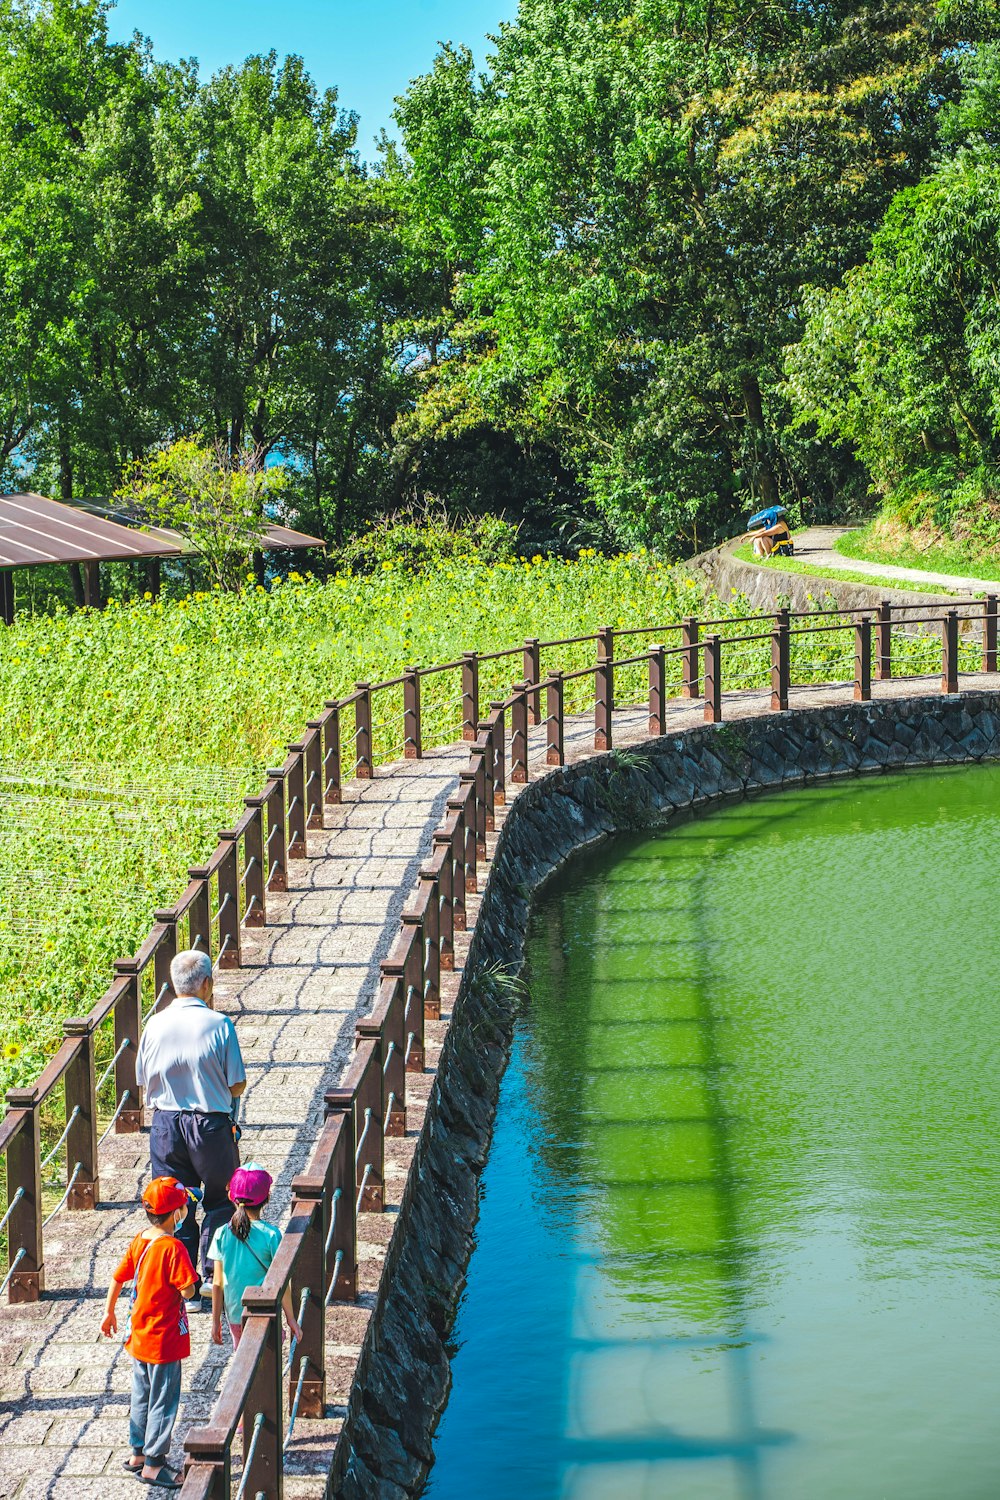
(345, 1177)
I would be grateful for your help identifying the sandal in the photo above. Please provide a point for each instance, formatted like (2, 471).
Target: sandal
(166, 1479)
(132, 1467)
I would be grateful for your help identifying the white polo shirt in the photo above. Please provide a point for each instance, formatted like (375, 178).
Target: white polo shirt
(188, 1057)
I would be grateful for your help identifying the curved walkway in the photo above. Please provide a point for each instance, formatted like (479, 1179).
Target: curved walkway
(308, 976)
(816, 546)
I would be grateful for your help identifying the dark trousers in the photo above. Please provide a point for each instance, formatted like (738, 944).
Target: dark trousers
(200, 1151)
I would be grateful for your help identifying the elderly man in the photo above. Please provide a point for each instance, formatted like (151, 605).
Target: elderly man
(190, 1065)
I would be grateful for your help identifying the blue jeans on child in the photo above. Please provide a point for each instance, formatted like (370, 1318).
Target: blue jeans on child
(156, 1395)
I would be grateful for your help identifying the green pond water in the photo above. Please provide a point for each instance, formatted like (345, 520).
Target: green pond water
(740, 1224)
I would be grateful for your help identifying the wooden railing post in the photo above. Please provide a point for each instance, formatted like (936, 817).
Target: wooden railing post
(657, 690)
(554, 748)
(470, 694)
(230, 952)
(265, 1471)
(200, 911)
(342, 1236)
(690, 684)
(166, 952)
(531, 665)
(254, 897)
(386, 1026)
(331, 753)
(990, 633)
(314, 773)
(128, 1026)
(883, 641)
(604, 688)
(413, 990)
(500, 750)
(296, 793)
(443, 868)
(485, 743)
(780, 661)
(276, 840)
(863, 659)
(519, 734)
(81, 1094)
(949, 652)
(24, 1227)
(364, 766)
(713, 679)
(465, 805)
(432, 945)
(369, 1156)
(310, 1276)
(455, 824)
(481, 799)
(412, 747)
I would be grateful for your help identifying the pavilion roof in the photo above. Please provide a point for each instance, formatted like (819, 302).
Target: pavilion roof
(36, 530)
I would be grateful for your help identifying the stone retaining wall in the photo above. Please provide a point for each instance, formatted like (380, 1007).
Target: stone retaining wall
(403, 1376)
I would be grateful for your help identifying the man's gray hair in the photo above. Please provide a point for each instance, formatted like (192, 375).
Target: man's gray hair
(189, 970)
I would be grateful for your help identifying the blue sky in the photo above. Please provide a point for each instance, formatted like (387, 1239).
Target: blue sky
(369, 49)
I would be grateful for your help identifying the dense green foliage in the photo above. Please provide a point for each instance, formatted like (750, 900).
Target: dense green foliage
(567, 296)
(903, 359)
(632, 203)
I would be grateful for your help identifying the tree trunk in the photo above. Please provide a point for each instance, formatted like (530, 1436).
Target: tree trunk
(765, 481)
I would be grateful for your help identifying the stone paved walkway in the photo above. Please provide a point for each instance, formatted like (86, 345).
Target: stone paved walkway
(306, 977)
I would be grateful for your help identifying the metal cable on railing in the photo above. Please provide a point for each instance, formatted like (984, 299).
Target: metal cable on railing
(411, 1038)
(337, 1195)
(364, 1133)
(222, 950)
(258, 1423)
(254, 901)
(164, 987)
(303, 1367)
(388, 1056)
(126, 1094)
(388, 1113)
(338, 1261)
(295, 1343)
(222, 906)
(126, 1044)
(274, 830)
(13, 1267)
(69, 1188)
(361, 1190)
(46, 1159)
(11, 1207)
(250, 864)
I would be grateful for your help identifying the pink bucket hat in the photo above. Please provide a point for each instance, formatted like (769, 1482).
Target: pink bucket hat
(250, 1185)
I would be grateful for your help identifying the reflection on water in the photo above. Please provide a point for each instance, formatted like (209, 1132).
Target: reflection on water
(739, 1228)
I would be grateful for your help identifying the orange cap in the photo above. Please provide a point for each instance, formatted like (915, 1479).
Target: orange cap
(164, 1194)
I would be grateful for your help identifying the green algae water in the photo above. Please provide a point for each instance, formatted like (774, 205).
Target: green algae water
(740, 1224)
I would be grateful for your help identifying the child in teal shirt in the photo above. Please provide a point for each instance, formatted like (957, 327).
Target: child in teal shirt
(243, 1251)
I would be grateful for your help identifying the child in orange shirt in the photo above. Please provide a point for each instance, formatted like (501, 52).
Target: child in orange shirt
(162, 1275)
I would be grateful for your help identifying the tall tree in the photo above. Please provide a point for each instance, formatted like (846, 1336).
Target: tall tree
(637, 193)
